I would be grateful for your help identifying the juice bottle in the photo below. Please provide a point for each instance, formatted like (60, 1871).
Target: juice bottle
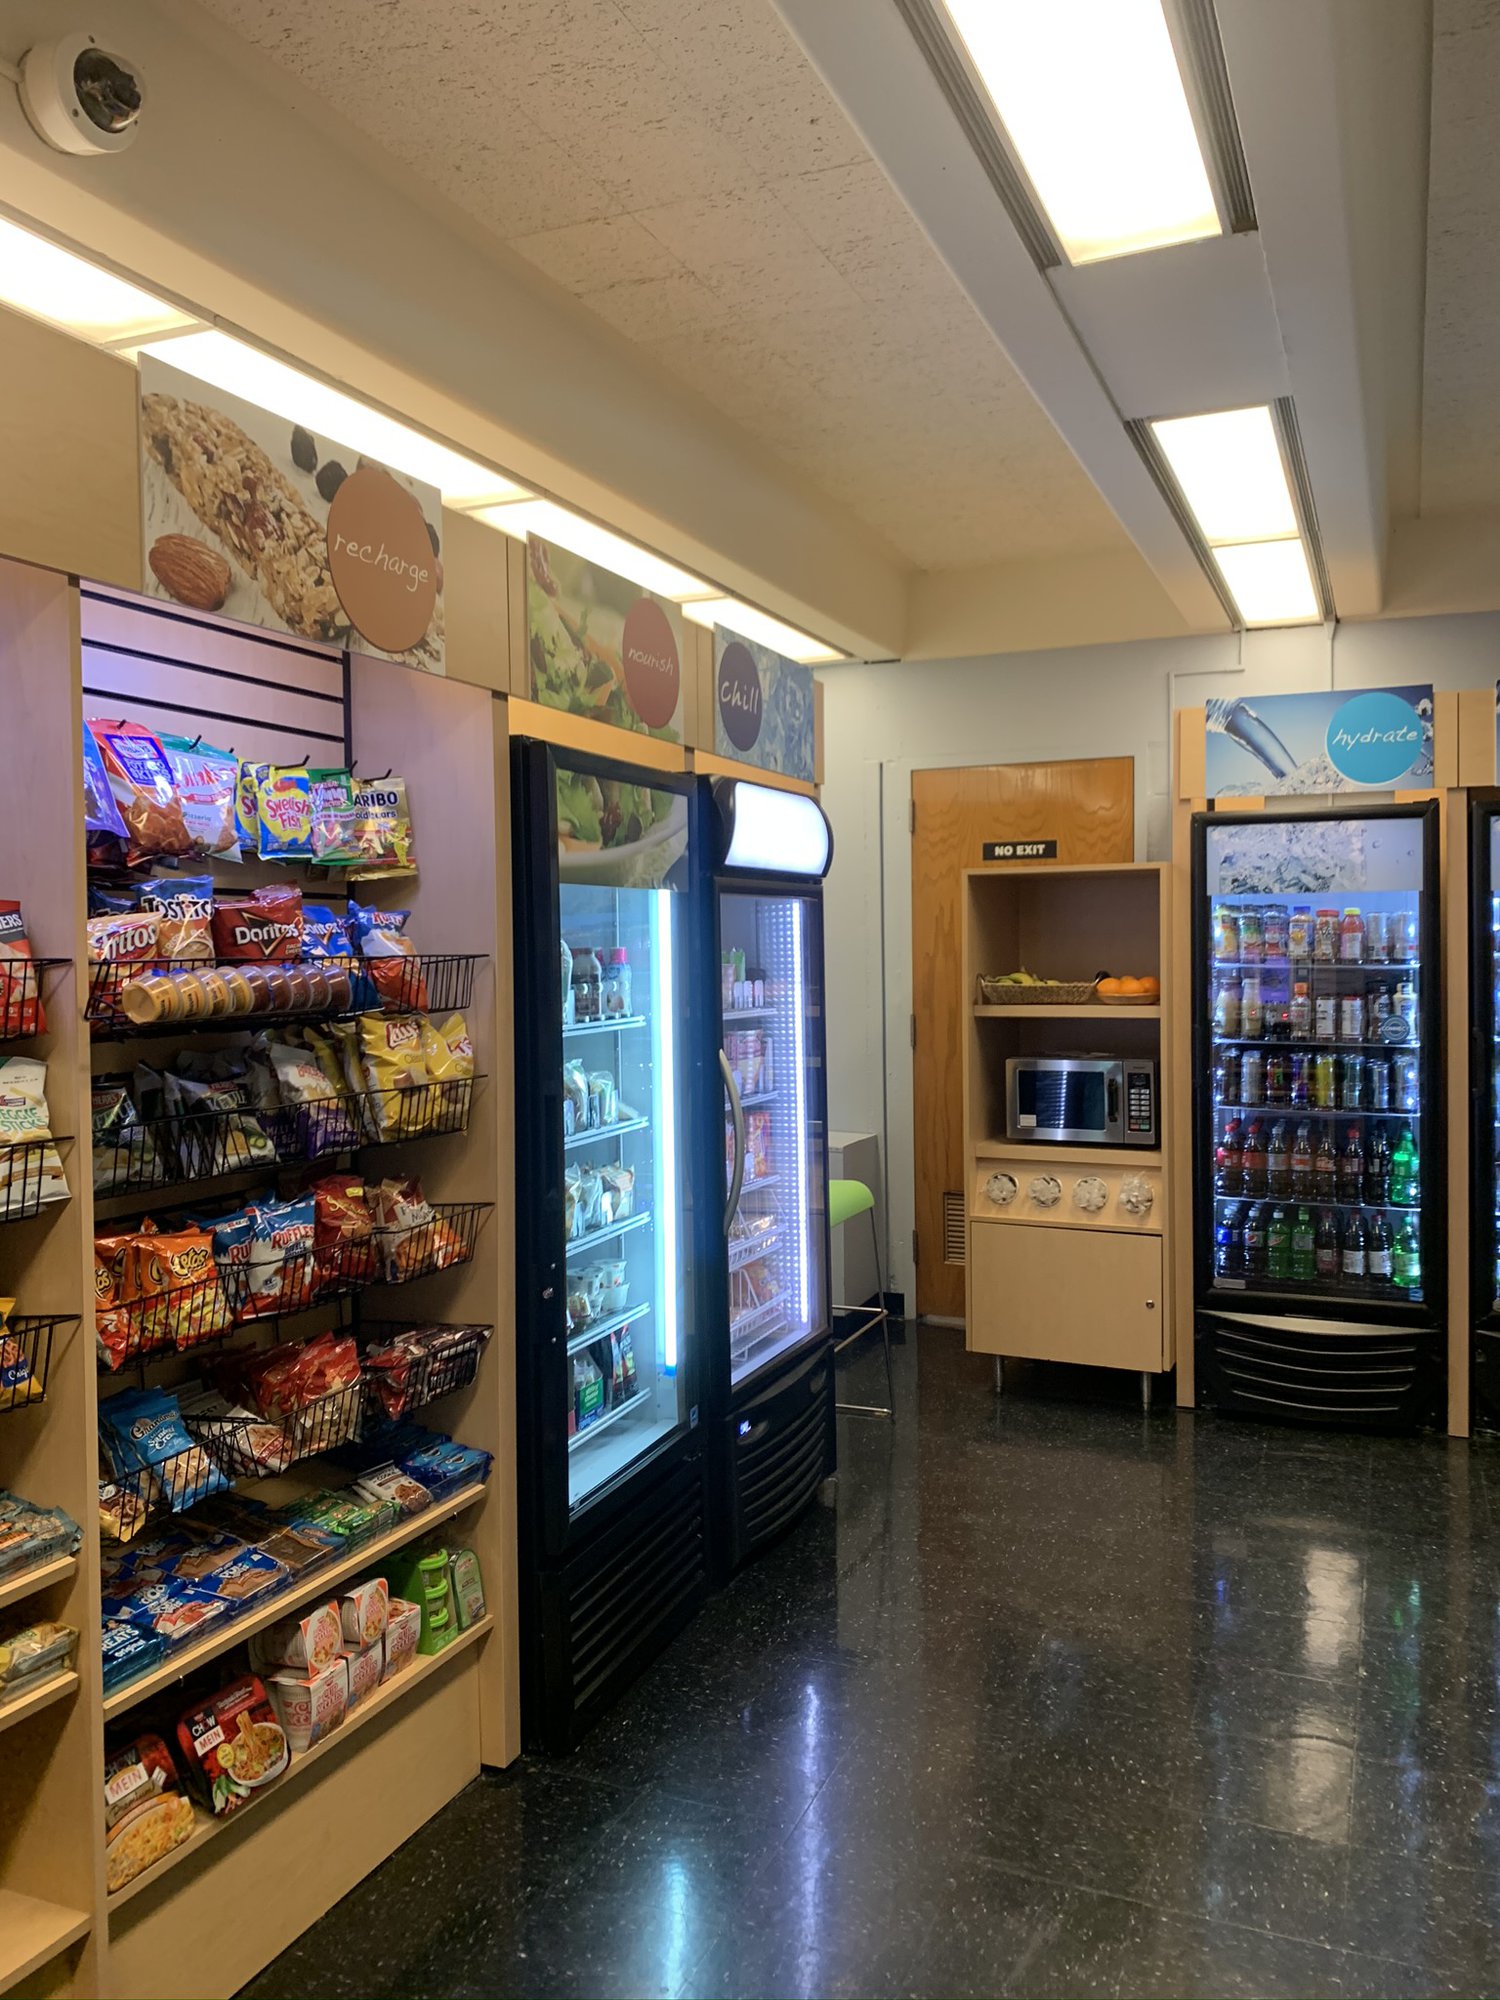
(1352, 937)
(1299, 932)
(1226, 933)
(1252, 937)
(1300, 1014)
(1227, 1007)
(1252, 1010)
(1324, 1081)
(1326, 1017)
(1326, 936)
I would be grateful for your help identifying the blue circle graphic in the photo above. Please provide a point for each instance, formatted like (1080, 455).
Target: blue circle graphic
(1373, 739)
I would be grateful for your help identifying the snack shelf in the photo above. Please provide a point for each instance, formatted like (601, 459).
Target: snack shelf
(609, 1418)
(758, 1097)
(744, 1324)
(175, 1150)
(31, 1701)
(26, 1358)
(756, 1187)
(33, 1932)
(24, 1176)
(601, 1329)
(22, 981)
(384, 1697)
(622, 1228)
(41, 1576)
(164, 996)
(309, 1281)
(616, 1024)
(427, 1377)
(732, 1014)
(750, 1249)
(594, 1133)
(1087, 1010)
(312, 1583)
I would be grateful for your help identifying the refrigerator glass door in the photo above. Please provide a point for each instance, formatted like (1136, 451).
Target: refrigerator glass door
(626, 956)
(1489, 1300)
(1318, 944)
(777, 1226)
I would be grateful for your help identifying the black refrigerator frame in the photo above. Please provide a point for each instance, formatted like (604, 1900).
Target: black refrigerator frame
(602, 1590)
(1484, 1334)
(775, 1434)
(1392, 1374)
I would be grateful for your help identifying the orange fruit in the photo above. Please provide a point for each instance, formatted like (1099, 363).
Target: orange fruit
(1111, 989)
(1128, 989)
(1150, 985)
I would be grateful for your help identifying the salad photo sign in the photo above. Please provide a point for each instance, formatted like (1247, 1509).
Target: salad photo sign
(763, 707)
(619, 832)
(602, 647)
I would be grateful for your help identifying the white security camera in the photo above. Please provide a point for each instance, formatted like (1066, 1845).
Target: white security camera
(81, 98)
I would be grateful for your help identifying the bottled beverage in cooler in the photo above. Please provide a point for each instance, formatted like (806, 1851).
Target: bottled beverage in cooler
(1324, 1081)
(588, 975)
(1378, 1259)
(1226, 933)
(1278, 1161)
(1406, 1255)
(1301, 1079)
(1354, 1262)
(1255, 1240)
(1378, 1084)
(1402, 933)
(1325, 1167)
(1229, 1159)
(1352, 1168)
(1352, 937)
(1253, 1160)
(1377, 937)
(1351, 1017)
(1326, 1017)
(1378, 1169)
(1229, 1241)
(1377, 1007)
(1326, 1245)
(1302, 1160)
(1252, 936)
(1252, 1077)
(1299, 932)
(1406, 1088)
(1227, 1077)
(1278, 1244)
(1326, 936)
(1304, 1247)
(1351, 1083)
(1252, 1008)
(1406, 1172)
(1278, 1079)
(1300, 1013)
(614, 992)
(1227, 1007)
(1274, 930)
(1404, 1006)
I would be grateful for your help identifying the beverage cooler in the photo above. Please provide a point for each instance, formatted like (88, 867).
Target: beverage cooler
(615, 1015)
(1484, 1225)
(770, 1374)
(1318, 1199)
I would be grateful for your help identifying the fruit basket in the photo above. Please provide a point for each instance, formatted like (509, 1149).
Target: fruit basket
(1011, 990)
(1128, 992)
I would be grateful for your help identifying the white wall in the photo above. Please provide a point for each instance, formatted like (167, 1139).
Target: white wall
(883, 722)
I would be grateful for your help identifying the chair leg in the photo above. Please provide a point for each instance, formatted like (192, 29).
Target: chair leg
(885, 1318)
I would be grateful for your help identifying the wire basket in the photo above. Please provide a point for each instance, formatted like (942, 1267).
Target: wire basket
(261, 1447)
(30, 1177)
(21, 1011)
(995, 992)
(163, 995)
(26, 1357)
(402, 1375)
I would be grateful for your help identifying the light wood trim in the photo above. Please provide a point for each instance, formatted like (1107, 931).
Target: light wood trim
(709, 766)
(30, 1581)
(476, 603)
(1089, 1012)
(594, 739)
(1445, 740)
(1143, 1158)
(1187, 798)
(1454, 851)
(1476, 737)
(1190, 741)
(518, 677)
(699, 706)
(1099, 1318)
(33, 1933)
(820, 733)
(21, 1707)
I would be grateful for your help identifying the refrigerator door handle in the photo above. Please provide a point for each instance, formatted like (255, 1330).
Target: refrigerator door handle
(737, 1113)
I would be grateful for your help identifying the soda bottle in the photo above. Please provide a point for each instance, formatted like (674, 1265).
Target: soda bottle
(1227, 1077)
(1325, 1166)
(1355, 1260)
(1352, 1168)
(1324, 1078)
(1302, 1160)
(1278, 1079)
(1406, 1256)
(1378, 1170)
(1301, 1087)
(1253, 1160)
(1326, 1245)
(1378, 1258)
(1278, 1161)
(1255, 1240)
(1304, 1247)
(1406, 1171)
(1229, 1159)
(1278, 1245)
(1229, 1242)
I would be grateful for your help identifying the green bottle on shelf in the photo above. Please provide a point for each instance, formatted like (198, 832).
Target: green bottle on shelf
(1406, 1172)
(1406, 1256)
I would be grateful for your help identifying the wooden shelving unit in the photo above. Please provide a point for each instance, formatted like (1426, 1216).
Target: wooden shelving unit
(343, 1807)
(1059, 1281)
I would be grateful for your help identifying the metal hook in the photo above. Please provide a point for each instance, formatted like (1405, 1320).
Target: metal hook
(195, 742)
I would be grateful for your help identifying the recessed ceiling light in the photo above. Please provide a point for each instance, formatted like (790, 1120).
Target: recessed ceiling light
(1228, 467)
(762, 629)
(1270, 582)
(233, 365)
(67, 291)
(595, 544)
(1092, 99)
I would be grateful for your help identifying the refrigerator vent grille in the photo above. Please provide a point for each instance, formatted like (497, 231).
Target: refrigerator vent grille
(1373, 1377)
(779, 1474)
(625, 1607)
(953, 1229)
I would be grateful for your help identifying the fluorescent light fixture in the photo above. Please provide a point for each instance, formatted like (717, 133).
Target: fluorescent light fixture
(233, 365)
(1270, 582)
(595, 544)
(778, 833)
(1228, 467)
(1091, 96)
(764, 630)
(67, 291)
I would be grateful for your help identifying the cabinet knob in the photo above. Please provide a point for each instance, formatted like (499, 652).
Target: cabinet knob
(1151, 1305)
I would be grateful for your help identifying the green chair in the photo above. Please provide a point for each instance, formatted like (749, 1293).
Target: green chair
(847, 1199)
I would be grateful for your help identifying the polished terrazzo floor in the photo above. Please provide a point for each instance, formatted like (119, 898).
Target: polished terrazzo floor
(1063, 1699)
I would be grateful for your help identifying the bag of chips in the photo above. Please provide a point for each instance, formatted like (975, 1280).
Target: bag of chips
(141, 780)
(283, 803)
(178, 1267)
(142, 1430)
(122, 1330)
(314, 1118)
(125, 1151)
(325, 933)
(394, 1056)
(265, 926)
(183, 906)
(391, 975)
(412, 1237)
(20, 994)
(126, 938)
(382, 835)
(344, 1231)
(449, 1057)
(280, 1272)
(334, 837)
(30, 1169)
(217, 1131)
(206, 781)
(101, 816)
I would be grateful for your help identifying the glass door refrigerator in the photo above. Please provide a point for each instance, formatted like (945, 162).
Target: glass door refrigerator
(1484, 1088)
(1318, 1147)
(614, 1012)
(770, 1383)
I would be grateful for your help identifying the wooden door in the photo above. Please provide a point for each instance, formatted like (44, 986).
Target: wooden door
(1080, 1295)
(1087, 805)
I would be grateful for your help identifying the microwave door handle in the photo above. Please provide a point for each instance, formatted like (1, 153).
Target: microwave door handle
(1112, 1101)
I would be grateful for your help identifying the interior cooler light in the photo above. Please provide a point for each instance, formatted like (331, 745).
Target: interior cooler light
(778, 833)
(799, 1057)
(663, 1034)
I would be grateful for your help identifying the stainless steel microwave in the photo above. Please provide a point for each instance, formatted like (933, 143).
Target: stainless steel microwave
(1095, 1100)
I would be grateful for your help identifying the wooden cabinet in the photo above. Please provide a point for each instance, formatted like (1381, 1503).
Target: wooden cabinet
(1093, 1296)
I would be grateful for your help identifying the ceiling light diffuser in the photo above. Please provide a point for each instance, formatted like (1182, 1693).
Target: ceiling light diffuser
(1229, 470)
(67, 291)
(1270, 582)
(233, 365)
(762, 629)
(1092, 99)
(595, 544)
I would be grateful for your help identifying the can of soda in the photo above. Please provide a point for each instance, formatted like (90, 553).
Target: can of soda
(1406, 1084)
(1377, 937)
(1302, 1069)
(1252, 1077)
(1352, 1083)
(1378, 1084)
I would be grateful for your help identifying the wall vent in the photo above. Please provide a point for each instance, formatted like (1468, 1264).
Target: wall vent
(953, 1229)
